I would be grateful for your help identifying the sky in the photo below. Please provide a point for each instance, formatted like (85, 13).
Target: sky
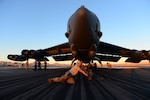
(40, 24)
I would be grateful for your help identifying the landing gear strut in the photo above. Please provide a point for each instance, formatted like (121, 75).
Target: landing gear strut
(91, 68)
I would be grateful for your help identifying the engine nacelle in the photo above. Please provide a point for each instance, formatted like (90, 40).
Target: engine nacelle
(36, 54)
(74, 51)
(137, 56)
(143, 54)
(17, 57)
(25, 52)
(32, 52)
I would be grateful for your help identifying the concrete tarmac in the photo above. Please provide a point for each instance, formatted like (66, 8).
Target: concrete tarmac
(116, 84)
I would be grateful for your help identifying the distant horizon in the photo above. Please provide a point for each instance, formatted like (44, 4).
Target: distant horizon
(63, 63)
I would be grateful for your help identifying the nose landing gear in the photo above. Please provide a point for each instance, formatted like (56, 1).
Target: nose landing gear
(91, 68)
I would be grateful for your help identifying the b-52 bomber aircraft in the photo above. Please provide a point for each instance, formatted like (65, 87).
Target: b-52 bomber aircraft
(83, 33)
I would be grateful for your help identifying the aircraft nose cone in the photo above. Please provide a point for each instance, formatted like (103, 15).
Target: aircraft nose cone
(82, 11)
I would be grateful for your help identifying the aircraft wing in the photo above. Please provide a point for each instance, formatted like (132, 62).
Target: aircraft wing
(58, 49)
(59, 53)
(105, 52)
(62, 52)
(109, 52)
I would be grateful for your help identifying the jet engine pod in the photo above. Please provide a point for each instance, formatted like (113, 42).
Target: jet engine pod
(74, 51)
(92, 51)
(74, 54)
(145, 54)
(12, 57)
(91, 54)
(25, 52)
(32, 52)
(16, 57)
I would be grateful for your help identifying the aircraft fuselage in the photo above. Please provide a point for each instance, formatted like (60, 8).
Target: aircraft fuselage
(83, 34)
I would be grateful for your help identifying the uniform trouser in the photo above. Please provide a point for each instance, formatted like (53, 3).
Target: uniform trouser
(64, 78)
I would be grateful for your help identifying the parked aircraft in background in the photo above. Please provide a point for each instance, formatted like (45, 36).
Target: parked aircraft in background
(83, 35)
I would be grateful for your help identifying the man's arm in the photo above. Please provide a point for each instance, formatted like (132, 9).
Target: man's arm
(83, 72)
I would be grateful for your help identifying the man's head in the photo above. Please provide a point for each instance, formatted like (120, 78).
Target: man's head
(79, 63)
